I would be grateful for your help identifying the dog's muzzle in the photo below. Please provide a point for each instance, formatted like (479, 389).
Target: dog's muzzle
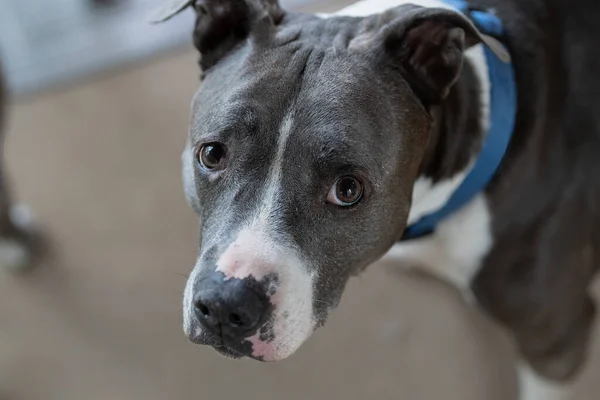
(257, 301)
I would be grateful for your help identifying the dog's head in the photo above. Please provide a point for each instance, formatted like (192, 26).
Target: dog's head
(306, 138)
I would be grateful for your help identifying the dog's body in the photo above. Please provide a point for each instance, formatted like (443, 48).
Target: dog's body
(526, 248)
(389, 103)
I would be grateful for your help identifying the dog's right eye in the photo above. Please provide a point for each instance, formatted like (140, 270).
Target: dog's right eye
(211, 156)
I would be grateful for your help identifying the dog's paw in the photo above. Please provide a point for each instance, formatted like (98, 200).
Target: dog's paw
(22, 217)
(20, 243)
(14, 255)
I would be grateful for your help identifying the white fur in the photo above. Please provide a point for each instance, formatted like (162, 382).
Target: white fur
(456, 249)
(428, 197)
(534, 387)
(190, 325)
(475, 56)
(189, 187)
(273, 186)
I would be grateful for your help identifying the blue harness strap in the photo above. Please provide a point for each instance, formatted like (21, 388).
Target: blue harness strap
(487, 23)
(503, 110)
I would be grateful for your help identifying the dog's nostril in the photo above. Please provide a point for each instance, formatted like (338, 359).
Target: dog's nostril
(203, 309)
(233, 308)
(236, 320)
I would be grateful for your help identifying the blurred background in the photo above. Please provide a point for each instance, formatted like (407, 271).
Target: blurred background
(97, 121)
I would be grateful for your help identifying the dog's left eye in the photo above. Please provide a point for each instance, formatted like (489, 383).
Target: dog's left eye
(211, 156)
(346, 192)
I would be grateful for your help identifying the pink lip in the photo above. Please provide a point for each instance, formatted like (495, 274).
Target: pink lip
(261, 349)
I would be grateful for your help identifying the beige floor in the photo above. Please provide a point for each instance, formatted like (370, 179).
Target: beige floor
(100, 319)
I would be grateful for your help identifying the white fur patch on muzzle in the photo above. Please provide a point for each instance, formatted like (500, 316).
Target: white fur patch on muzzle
(254, 254)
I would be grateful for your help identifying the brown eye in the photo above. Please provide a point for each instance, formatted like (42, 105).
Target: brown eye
(346, 192)
(211, 156)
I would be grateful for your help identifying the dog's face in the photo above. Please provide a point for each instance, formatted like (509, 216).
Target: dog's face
(306, 138)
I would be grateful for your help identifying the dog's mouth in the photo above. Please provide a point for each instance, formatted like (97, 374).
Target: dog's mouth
(248, 306)
(229, 350)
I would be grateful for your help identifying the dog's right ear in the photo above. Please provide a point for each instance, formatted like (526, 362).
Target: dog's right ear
(426, 45)
(223, 24)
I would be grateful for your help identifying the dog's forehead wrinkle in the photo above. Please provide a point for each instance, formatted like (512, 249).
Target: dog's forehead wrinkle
(235, 99)
(234, 85)
(328, 33)
(309, 73)
(346, 141)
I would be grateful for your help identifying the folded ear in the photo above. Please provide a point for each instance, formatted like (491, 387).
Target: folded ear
(222, 24)
(428, 44)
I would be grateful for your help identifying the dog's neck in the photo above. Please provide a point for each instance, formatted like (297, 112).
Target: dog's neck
(460, 124)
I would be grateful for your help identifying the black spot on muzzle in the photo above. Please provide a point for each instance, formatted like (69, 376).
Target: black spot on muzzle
(234, 309)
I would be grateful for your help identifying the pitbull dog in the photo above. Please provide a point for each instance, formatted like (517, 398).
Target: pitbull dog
(19, 243)
(315, 140)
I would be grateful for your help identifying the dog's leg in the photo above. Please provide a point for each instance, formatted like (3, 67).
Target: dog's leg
(17, 238)
(534, 387)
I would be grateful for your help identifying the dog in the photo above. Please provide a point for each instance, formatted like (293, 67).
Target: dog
(20, 240)
(319, 144)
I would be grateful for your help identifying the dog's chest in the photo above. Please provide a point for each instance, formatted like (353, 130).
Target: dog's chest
(455, 251)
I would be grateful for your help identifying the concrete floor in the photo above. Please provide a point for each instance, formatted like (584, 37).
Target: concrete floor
(100, 318)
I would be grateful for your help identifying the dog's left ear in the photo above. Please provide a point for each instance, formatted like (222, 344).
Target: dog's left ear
(223, 24)
(169, 9)
(428, 44)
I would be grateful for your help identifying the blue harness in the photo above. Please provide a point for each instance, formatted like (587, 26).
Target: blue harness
(503, 99)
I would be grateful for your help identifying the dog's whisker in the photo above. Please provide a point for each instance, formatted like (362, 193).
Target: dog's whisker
(323, 302)
(167, 271)
(178, 273)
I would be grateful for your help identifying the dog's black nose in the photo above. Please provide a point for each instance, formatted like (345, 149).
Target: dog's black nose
(234, 308)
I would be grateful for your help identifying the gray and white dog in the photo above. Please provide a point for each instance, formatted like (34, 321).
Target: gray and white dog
(316, 139)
